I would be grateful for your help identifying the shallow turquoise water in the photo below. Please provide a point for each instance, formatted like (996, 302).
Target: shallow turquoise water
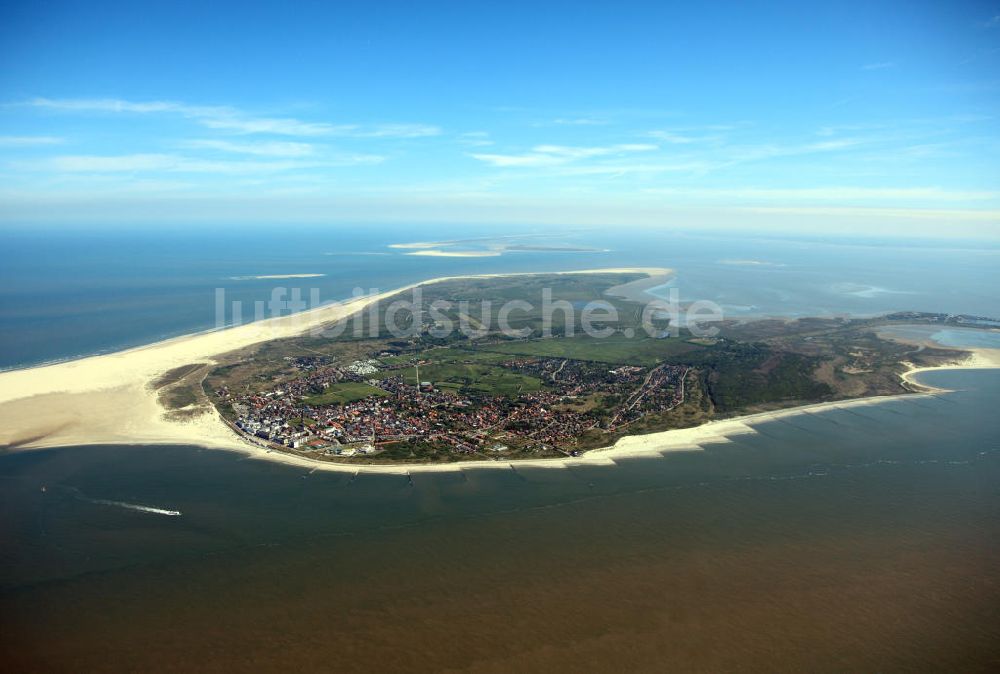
(69, 293)
(950, 337)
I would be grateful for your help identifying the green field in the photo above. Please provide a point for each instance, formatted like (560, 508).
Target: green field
(477, 377)
(445, 355)
(464, 355)
(614, 349)
(345, 392)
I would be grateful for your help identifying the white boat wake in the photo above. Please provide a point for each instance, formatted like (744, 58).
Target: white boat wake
(136, 506)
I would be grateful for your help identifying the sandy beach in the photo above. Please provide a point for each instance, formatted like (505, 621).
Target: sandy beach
(109, 399)
(980, 359)
(639, 291)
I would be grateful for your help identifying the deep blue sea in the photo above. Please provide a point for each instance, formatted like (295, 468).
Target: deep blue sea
(67, 293)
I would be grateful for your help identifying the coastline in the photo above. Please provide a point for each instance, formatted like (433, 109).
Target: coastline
(632, 446)
(648, 445)
(108, 399)
(980, 359)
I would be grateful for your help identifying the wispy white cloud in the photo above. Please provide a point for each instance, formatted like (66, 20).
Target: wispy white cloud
(992, 22)
(659, 165)
(402, 131)
(271, 125)
(579, 121)
(675, 137)
(509, 160)
(386, 130)
(740, 154)
(475, 139)
(170, 163)
(112, 105)
(704, 155)
(881, 65)
(837, 129)
(29, 141)
(554, 155)
(230, 119)
(617, 169)
(215, 117)
(873, 214)
(106, 164)
(266, 148)
(571, 152)
(828, 194)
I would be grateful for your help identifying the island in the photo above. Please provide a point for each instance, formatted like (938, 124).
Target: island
(434, 397)
(338, 387)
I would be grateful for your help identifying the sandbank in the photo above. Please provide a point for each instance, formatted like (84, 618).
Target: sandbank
(273, 276)
(433, 252)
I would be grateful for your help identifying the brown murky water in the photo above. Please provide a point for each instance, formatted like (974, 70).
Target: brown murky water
(848, 541)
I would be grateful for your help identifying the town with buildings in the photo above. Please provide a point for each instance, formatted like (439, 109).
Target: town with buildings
(362, 408)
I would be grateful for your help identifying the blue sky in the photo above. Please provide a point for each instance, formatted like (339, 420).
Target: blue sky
(828, 117)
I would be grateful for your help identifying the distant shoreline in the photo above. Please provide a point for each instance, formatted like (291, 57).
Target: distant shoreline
(495, 249)
(430, 252)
